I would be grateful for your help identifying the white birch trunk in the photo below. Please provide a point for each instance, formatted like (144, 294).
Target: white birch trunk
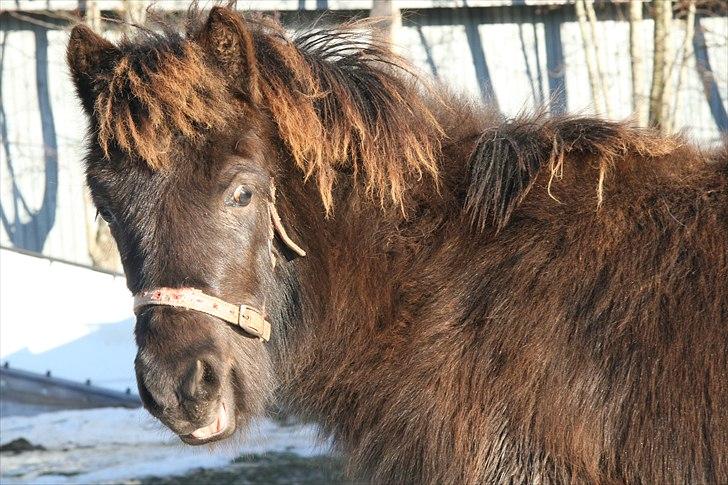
(687, 54)
(592, 16)
(589, 53)
(660, 92)
(389, 19)
(93, 15)
(135, 11)
(636, 45)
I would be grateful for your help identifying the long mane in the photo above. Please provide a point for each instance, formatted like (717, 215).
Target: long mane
(341, 100)
(356, 106)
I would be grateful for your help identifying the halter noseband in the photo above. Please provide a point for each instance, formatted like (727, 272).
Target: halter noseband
(248, 318)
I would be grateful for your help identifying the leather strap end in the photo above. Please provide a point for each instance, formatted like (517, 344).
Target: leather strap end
(281, 231)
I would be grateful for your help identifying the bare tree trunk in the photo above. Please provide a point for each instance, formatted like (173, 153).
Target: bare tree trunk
(135, 11)
(389, 19)
(687, 53)
(591, 61)
(93, 15)
(639, 98)
(592, 16)
(660, 91)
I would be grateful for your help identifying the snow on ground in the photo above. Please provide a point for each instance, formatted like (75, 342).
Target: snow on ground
(76, 322)
(114, 444)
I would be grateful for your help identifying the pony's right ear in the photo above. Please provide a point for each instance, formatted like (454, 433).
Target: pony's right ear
(228, 39)
(88, 55)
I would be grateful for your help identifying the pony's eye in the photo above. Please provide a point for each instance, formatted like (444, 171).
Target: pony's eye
(242, 196)
(105, 214)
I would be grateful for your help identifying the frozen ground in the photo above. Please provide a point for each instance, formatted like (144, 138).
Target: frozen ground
(115, 445)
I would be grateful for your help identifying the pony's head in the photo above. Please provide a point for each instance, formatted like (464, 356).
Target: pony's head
(190, 135)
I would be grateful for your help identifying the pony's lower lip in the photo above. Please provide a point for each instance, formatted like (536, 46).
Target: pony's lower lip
(191, 440)
(219, 428)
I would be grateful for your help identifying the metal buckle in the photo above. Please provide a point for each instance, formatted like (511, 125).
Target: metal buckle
(244, 322)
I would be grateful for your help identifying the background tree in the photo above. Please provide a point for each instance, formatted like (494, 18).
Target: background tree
(134, 11)
(389, 18)
(636, 46)
(687, 54)
(660, 92)
(587, 25)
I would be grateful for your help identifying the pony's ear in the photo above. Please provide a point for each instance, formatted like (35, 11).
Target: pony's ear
(88, 55)
(230, 42)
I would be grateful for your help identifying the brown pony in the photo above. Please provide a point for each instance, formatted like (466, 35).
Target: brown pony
(534, 300)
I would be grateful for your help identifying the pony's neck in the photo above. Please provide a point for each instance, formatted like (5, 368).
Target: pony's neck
(344, 288)
(363, 259)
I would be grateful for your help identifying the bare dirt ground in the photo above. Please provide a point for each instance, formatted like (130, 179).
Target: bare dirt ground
(270, 468)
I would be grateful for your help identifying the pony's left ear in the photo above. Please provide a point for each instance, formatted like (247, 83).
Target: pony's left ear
(89, 55)
(230, 42)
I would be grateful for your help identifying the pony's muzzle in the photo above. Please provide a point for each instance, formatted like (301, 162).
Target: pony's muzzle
(197, 409)
(187, 387)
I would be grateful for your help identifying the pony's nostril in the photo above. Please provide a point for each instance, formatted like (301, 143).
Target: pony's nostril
(199, 382)
(193, 380)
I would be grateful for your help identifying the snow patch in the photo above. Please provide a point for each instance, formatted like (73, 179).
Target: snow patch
(112, 444)
(75, 322)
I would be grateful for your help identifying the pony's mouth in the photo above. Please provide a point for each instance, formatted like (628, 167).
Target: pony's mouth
(219, 428)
